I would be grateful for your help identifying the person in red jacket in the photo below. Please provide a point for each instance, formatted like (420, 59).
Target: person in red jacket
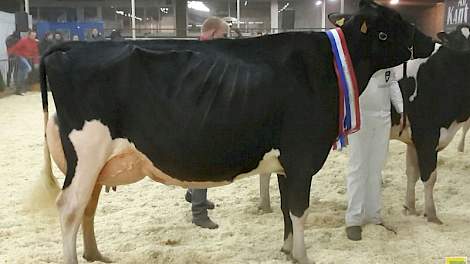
(26, 50)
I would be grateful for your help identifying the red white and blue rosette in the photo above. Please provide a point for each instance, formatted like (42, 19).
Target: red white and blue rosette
(349, 112)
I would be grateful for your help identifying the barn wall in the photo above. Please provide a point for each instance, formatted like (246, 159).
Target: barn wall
(7, 26)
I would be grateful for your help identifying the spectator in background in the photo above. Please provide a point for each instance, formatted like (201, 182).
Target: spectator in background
(116, 35)
(212, 28)
(26, 50)
(12, 60)
(58, 38)
(95, 35)
(46, 42)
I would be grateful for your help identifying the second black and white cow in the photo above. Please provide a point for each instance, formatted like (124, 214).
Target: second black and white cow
(436, 95)
(201, 114)
(441, 88)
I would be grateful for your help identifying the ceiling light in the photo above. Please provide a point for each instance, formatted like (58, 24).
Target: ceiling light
(317, 3)
(198, 5)
(394, 2)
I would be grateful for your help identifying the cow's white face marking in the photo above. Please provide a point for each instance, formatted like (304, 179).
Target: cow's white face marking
(465, 32)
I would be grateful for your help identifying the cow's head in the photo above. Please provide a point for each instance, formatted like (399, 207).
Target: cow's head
(458, 39)
(379, 38)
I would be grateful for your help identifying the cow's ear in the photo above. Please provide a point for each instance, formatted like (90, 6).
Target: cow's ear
(443, 37)
(338, 19)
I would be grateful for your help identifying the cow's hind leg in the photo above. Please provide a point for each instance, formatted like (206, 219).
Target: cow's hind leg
(91, 252)
(465, 129)
(429, 206)
(412, 174)
(287, 247)
(92, 147)
(265, 200)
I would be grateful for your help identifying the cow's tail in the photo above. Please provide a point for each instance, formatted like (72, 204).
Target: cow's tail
(46, 188)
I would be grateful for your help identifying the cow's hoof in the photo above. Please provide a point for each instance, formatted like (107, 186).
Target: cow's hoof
(265, 208)
(303, 260)
(97, 257)
(435, 220)
(408, 211)
(285, 251)
(288, 245)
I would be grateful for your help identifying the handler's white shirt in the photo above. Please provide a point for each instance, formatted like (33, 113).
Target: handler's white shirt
(369, 148)
(381, 89)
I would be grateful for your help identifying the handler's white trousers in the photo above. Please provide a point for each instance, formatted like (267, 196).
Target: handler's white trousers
(367, 156)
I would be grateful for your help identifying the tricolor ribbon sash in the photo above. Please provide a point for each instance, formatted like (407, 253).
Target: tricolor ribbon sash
(349, 113)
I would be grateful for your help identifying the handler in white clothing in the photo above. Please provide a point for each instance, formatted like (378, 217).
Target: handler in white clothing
(368, 152)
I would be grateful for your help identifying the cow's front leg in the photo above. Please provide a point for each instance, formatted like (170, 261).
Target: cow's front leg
(412, 174)
(265, 200)
(287, 247)
(91, 252)
(298, 199)
(429, 206)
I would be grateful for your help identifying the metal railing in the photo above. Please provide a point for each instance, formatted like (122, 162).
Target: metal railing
(194, 32)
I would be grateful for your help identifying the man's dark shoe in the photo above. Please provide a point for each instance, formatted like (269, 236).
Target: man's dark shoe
(205, 222)
(354, 233)
(209, 205)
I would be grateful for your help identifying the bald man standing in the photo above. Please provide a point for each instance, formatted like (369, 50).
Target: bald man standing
(212, 28)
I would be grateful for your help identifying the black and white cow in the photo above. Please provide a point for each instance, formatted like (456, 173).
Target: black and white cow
(436, 95)
(201, 114)
(440, 111)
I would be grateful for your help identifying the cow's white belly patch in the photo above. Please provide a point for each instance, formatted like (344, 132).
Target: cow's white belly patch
(447, 134)
(405, 136)
(269, 164)
(126, 164)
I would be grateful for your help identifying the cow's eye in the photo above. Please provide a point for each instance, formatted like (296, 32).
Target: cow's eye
(383, 36)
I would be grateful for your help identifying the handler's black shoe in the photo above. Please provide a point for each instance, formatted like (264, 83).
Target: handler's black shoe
(205, 222)
(209, 205)
(354, 233)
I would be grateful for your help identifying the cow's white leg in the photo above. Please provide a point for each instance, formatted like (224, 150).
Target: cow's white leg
(429, 206)
(91, 252)
(299, 253)
(412, 174)
(92, 146)
(465, 129)
(265, 200)
(288, 244)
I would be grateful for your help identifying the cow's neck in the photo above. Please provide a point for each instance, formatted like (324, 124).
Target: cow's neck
(362, 64)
